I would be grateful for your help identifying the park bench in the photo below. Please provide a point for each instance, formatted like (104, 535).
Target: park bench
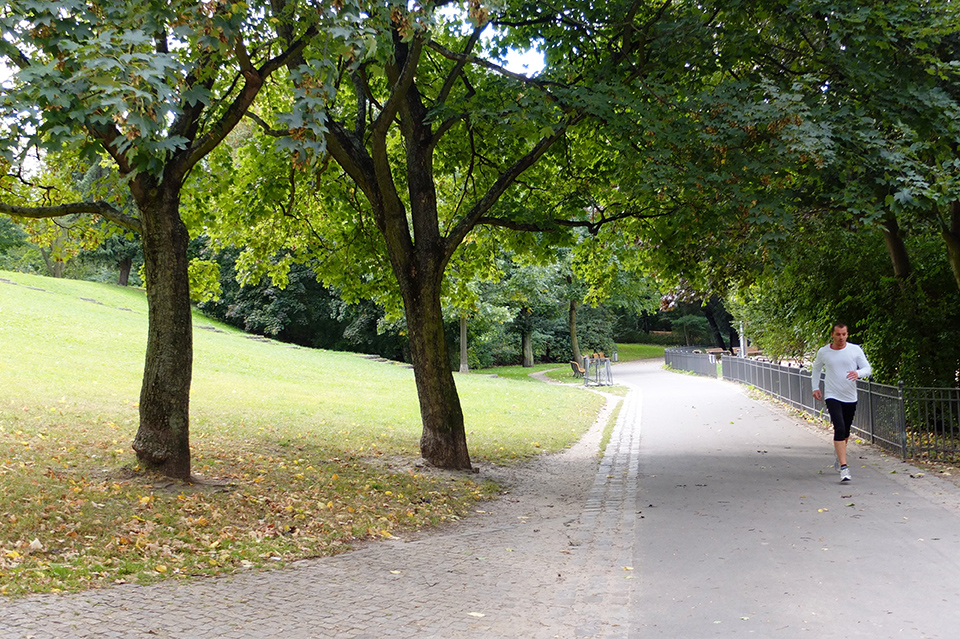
(577, 369)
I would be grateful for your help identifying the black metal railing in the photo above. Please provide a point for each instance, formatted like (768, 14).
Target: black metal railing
(685, 359)
(932, 422)
(906, 421)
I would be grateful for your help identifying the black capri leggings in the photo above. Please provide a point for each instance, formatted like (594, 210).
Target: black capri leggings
(841, 414)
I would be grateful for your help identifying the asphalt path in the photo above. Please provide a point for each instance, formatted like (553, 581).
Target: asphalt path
(747, 531)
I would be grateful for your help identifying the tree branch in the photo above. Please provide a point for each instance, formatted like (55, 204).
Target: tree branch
(458, 67)
(20, 59)
(466, 58)
(402, 80)
(235, 112)
(103, 209)
(260, 122)
(351, 155)
(593, 226)
(505, 181)
(108, 135)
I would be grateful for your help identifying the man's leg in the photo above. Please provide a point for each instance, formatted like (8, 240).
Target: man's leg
(848, 410)
(841, 416)
(841, 448)
(840, 429)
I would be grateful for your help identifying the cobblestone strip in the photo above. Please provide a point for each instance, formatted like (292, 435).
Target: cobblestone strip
(606, 581)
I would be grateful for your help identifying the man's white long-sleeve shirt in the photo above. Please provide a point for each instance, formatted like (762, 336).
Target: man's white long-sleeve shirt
(837, 364)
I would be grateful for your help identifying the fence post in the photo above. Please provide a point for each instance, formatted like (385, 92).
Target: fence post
(902, 418)
(873, 435)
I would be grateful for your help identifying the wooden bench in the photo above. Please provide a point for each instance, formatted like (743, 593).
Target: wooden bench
(577, 369)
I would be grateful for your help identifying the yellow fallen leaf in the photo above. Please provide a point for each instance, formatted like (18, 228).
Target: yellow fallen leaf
(476, 614)
(160, 568)
(628, 567)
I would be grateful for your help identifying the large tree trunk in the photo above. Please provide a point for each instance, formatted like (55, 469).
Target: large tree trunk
(526, 341)
(574, 342)
(526, 337)
(162, 442)
(951, 236)
(896, 249)
(126, 265)
(49, 263)
(464, 364)
(444, 440)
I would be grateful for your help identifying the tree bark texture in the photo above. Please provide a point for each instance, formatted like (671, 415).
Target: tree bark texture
(444, 440)
(162, 442)
(126, 265)
(526, 337)
(464, 364)
(896, 249)
(527, 342)
(574, 341)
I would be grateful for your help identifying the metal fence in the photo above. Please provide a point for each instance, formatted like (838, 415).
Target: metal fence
(932, 421)
(907, 421)
(684, 359)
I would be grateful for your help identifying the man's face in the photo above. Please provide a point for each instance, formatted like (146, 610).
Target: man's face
(839, 336)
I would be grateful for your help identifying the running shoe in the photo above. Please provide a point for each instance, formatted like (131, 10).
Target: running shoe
(845, 474)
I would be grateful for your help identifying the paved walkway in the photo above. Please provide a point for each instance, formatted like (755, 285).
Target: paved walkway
(711, 515)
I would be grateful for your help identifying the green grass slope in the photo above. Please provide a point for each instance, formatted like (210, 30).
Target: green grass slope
(301, 450)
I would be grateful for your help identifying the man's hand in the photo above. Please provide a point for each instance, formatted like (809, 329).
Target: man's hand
(818, 394)
(853, 375)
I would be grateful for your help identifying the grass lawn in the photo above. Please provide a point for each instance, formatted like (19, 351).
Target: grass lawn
(631, 352)
(300, 451)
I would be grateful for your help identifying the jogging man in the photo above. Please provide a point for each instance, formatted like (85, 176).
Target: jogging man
(844, 363)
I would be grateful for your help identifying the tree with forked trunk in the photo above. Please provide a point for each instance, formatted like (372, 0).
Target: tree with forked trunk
(432, 139)
(154, 87)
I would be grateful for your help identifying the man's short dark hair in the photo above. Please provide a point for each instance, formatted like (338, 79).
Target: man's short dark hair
(839, 325)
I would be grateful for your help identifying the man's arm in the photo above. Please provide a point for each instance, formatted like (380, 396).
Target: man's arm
(863, 366)
(815, 376)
